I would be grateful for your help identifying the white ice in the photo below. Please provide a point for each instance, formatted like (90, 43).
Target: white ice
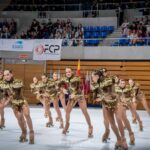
(76, 139)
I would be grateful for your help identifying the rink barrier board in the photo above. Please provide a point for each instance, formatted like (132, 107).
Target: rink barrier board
(139, 71)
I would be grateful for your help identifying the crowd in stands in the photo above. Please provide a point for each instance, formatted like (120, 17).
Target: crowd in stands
(60, 29)
(8, 29)
(137, 30)
(133, 33)
(71, 35)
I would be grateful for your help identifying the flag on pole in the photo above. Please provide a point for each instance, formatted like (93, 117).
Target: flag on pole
(58, 71)
(51, 72)
(78, 68)
(87, 84)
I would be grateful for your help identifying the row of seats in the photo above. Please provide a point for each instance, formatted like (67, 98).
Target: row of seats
(88, 35)
(99, 28)
(97, 33)
(126, 42)
(91, 42)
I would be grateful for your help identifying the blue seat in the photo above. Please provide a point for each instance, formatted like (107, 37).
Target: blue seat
(95, 34)
(104, 28)
(86, 28)
(94, 42)
(97, 28)
(130, 44)
(92, 28)
(148, 41)
(140, 44)
(103, 34)
(91, 42)
(85, 42)
(123, 41)
(115, 44)
(110, 29)
(97, 42)
(88, 43)
(87, 35)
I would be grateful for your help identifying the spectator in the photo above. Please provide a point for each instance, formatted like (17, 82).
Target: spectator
(23, 35)
(133, 37)
(148, 28)
(8, 29)
(136, 31)
(124, 27)
(60, 29)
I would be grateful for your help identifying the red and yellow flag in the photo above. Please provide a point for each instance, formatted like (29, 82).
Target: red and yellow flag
(78, 68)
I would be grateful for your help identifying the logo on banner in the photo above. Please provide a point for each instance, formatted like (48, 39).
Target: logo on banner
(39, 49)
(47, 49)
(18, 45)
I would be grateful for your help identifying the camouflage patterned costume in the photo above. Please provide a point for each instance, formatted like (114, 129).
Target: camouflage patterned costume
(73, 87)
(105, 90)
(1, 91)
(137, 93)
(108, 95)
(52, 89)
(125, 95)
(41, 93)
(34, 88)
(13, 89)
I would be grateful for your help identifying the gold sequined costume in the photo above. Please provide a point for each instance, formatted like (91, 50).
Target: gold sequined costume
(13, 89)
(73, 87)
(137, 93)
(52, 89)
(34, 88)
(108, 95)
(40, 90)
(1, 91)
(125, 95)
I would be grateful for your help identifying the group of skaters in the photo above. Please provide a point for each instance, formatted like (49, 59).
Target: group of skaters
(114, 93)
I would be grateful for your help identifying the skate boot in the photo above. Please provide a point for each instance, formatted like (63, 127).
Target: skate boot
(124, 144)
(61, 124)
(118, 145)
(58, 119)
(141, 126)
(2, 123)
(23, 137)
(65, 130)
(45, 115)
(132, 139)
(90, 132)
(134, 120)
(106, 136)
(49, 124)
(31, 137)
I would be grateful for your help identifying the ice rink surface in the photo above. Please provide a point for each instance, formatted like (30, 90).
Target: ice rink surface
(76, 139)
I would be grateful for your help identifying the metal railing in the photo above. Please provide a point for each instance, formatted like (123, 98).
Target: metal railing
(107, 42)
(79, 6)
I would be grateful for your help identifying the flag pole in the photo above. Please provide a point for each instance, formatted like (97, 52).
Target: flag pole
(45, 66)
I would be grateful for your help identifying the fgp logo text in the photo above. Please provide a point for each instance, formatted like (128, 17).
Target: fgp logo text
(47, 49)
